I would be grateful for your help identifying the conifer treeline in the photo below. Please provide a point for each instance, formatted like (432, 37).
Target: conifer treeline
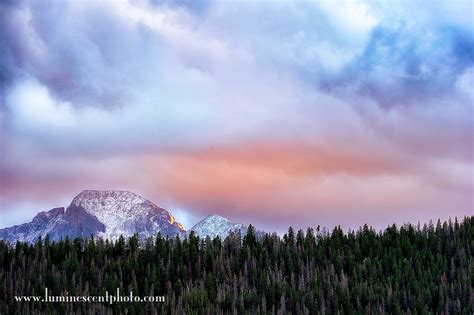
(400, 270)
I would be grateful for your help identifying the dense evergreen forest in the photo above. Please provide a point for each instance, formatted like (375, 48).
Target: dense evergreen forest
(420, 270)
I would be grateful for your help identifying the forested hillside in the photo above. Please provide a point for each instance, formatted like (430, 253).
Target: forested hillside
(409, 269)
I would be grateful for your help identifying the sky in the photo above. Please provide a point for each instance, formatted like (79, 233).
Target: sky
(274, 113)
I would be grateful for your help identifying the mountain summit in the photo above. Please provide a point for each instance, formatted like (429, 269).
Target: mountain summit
(106, 214)
(125, 213)
(215, 225)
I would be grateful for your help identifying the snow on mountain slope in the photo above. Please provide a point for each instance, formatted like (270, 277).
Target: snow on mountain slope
(125, 213)
(41, 225)
(105, 214)
(214, 225)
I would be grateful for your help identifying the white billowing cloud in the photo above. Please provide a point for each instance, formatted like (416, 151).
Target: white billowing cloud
(42, 121)
(352, 18)
(33, 108)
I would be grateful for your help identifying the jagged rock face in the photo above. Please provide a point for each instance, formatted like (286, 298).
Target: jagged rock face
(105, 214)
(80, 223)
(215, 225)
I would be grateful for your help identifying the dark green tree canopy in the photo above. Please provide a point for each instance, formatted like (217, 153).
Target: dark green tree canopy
(400, 270)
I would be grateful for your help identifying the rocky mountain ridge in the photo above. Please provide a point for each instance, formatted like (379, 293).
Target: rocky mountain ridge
(109, 214)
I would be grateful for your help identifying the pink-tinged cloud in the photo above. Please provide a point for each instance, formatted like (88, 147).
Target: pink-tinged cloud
(272, 185)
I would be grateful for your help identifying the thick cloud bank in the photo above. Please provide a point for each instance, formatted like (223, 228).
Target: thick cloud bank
(269, 112)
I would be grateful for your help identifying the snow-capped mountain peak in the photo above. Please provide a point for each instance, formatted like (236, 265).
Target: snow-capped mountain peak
(106, 214)
(41, 225)
(215, 225)
(107, 199)
(214, 218)
(126, 213)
